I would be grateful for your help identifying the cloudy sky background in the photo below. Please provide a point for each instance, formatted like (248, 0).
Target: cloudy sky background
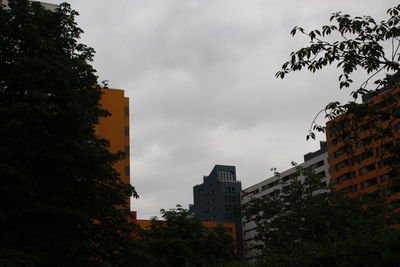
(200, 78)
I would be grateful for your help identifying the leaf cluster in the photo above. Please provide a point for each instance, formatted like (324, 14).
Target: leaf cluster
(359, 45)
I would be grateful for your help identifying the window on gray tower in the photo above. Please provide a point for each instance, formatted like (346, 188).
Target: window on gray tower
(225, 175)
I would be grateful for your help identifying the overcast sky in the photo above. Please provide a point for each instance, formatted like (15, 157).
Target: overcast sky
(200, 78)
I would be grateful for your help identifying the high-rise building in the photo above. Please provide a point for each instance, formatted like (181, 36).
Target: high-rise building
(317, 161)
(115, 128)
(367, 166)
(217, 199)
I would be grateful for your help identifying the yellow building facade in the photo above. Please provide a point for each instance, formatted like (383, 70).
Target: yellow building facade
(115, 128)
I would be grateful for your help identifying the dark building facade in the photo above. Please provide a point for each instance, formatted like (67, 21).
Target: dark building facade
(217, 199)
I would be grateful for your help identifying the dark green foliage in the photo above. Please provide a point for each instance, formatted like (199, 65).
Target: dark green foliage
(180, 240)
(306, 224)
(58, 187)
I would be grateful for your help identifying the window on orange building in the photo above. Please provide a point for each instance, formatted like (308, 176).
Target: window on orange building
(383, 163)
(369, 182)
(127, 171)
(386, 177)
(337, 153)
(367, 169)
(384, 148)
(344, 177)
(342, 164)
(351, 188)
(365, 155)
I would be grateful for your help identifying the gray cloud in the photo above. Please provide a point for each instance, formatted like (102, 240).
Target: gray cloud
(200, 77)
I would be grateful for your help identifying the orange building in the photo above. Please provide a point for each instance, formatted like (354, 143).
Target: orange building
(366, 167)
(207, 226)
(115, 129)
(230, 227)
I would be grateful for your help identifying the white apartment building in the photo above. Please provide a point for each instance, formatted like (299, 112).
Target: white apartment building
(318, 161)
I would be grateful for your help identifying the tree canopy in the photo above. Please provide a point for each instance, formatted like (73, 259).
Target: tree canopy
(59, 191)
(179, 239)
(306, 224)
